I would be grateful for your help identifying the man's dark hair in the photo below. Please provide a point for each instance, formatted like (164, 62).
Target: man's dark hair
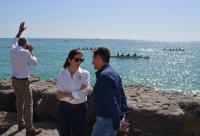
(22, 41)
(104, 53)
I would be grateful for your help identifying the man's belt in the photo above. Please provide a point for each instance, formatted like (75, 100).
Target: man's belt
(20, 78)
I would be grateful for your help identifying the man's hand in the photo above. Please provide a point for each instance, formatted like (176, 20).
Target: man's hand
(83, 87)
(124, 127)
(69, 95)
(30, 47)
(22, 27)
(83, 91)
(61, 95)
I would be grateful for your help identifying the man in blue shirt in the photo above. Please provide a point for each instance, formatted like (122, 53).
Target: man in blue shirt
(109, 98)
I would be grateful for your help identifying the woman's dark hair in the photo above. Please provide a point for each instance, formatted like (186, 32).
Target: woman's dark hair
(104, 53)
(22, 41)
(71, 54)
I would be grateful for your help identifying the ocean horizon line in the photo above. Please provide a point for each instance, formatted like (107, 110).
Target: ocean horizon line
(128, 39)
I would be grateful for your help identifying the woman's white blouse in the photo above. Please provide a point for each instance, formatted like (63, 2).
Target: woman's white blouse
(66, 83)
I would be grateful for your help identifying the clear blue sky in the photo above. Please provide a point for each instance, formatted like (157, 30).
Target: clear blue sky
(169, 20)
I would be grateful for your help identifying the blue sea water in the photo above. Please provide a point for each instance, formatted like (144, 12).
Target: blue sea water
(166, 70)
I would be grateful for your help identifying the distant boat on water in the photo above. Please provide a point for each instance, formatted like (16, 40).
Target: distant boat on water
(173, 49)
(131, 57)
(86, 48)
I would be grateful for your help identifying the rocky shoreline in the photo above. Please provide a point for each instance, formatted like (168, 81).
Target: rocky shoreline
(152, 112)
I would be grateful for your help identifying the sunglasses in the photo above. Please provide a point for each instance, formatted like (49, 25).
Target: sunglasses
(78, 59)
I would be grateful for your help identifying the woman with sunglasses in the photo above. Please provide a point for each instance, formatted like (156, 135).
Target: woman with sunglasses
(72, 88)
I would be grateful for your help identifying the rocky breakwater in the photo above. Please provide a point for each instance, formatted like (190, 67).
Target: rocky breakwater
(152, 112)
(159, 113)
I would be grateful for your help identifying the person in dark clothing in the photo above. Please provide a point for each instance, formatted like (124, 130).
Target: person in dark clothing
(109, 97)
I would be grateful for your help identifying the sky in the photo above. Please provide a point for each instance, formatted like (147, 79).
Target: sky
(162, 20)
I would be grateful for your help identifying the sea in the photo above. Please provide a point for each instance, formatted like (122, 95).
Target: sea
(172, 71)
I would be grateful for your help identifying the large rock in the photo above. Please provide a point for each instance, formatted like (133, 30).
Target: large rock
(45, 106)
(7, 100)
(7, 119)
(34, 78)
(192, 117)
(5, 84)
(158, 113)
(41, 88)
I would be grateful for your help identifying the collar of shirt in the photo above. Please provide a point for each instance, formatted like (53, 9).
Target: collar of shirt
(78, 73)
(101, 69)
(19, 47)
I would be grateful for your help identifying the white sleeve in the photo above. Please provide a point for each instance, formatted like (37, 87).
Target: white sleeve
(83, 93)
(59, 85)
(86, 80)
(32, 59)
(76, 95)
(14, 42)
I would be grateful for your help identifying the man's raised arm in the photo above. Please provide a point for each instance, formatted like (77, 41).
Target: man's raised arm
(21, 29)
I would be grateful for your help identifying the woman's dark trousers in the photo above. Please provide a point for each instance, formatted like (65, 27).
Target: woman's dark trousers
(72, 119)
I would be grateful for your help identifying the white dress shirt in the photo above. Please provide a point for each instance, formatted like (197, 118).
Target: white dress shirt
(21, 59)
(66, 83)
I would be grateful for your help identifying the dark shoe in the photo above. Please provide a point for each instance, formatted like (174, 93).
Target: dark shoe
(21, 127)
(33, 131)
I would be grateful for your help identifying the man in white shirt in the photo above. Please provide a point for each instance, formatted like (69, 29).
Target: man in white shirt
(21, 59)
